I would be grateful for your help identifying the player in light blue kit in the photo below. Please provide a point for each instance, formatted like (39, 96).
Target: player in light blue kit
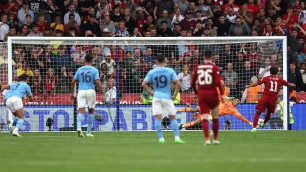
(87, 76)
(13, 100)
(162, 103)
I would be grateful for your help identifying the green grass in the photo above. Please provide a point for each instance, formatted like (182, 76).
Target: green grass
(264, 151)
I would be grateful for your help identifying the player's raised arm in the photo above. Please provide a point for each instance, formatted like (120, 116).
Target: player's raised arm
(291, 85)
(72, 88)
(99, 85)
(4, 87)
(145, 82)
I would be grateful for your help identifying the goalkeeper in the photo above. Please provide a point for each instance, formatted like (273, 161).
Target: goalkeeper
(226, 108)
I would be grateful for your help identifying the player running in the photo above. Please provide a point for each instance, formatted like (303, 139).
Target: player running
(226, 108)
(273, 83)
(161, 77)
(13, 100)
(87, 76)
(205, 80)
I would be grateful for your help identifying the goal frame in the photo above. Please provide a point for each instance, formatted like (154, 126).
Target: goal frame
(11, 40)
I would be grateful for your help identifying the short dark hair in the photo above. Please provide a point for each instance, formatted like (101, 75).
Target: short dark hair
(274, 70)
(207, 54)
(88, 58)
(160, 58)
(23, 77)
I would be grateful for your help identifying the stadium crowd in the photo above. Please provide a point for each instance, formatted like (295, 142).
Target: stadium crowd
(54, 65)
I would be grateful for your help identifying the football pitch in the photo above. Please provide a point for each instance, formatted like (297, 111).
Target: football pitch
(264, 151)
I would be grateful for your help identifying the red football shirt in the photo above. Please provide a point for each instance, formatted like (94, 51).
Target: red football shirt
(208, 77)
(272, 84)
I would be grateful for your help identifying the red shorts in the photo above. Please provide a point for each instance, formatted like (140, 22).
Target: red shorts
(267, 102)
(207, 101)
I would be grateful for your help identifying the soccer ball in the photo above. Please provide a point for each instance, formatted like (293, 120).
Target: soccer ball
(260, 122)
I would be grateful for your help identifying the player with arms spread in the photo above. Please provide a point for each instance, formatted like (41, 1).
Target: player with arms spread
(205, 81)
(162, 103)
(273, 83)
(13, 100)
(228, 107)
(87, 76)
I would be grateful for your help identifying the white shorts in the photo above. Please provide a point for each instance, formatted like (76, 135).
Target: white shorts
(87, 98)
(163, 106)
(14, 104)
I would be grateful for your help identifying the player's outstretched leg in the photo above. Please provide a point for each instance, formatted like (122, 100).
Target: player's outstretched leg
(267, 118)
(205, 127)
(79, 124)
(175, 129)
(90, 125)
(19, 122)
(255, 121)
(158, 127)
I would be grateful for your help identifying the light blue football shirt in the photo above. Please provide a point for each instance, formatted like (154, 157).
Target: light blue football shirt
(161, 77)
(86, 75)
(18, 89)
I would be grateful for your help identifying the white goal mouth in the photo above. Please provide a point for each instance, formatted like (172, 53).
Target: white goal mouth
(52, 61)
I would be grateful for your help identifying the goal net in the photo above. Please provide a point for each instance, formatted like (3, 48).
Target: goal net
(123, 63)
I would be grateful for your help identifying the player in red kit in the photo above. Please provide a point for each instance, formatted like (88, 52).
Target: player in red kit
(205, 80)
(273, 83)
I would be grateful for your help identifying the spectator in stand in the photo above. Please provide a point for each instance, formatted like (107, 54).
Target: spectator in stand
(12, 32)
(231, 4)
(198, 29)
(23, 12)
(177, 18)
(293, 40)
(24, 31)
(252, 55)
(37, 82)
(252, 8)
(188, 22)
(185, 79)
(231, 79)
(116, 15)
(246, 15)
(12, 22)
(63, 84)
(35, 31)
(108, 25)
(223, 26)
(50, 82)
(183, 5)
(62, 59)
(290, 17)
(162, 5)
(205, 9)
(57, 24)
(134, 78)
(164, 30)
(110, 95)
(72, 25)
(123, 32)
(239, 28)
(239, 62)
(295, 77)
(245, 75)
(264, 70)
(41, 23)
(110, 63)
(92, 25)
(77, 17)
(4, 28)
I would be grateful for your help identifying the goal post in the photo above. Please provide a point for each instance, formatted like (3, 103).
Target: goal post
(123, 63)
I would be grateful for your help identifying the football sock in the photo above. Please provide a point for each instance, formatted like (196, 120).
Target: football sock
(205, 127)
(19, 123)
(215, 127)
(267, 118)
(79, 121)
(255, 121)
(90, 122)
(242, 118)
(174, 127)
(157, 124)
